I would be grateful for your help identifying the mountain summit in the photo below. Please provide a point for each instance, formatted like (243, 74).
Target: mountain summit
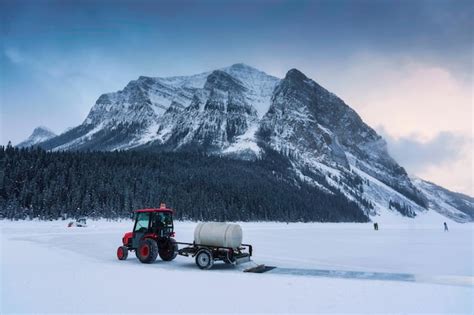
(242, 112)
(39, 134)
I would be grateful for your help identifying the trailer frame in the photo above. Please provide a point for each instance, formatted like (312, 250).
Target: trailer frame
(206, 255)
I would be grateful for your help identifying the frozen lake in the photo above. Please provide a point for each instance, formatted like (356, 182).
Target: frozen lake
(407, 266)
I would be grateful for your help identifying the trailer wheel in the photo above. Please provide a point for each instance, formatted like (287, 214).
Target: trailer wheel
(147, 251)
(122, 252)
(169, 250)
(204, 259)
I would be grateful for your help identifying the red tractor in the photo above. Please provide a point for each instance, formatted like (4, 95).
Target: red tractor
(152, 235)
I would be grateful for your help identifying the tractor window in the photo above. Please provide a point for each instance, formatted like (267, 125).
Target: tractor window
(143, 218)
(165, 219)
(161, 220)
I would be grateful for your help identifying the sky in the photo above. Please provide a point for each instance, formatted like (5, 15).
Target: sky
(405, 66)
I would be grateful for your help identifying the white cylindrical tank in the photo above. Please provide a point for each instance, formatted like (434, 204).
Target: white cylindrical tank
(218, 234)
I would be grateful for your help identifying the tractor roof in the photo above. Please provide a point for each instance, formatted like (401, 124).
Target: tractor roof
(162, 208)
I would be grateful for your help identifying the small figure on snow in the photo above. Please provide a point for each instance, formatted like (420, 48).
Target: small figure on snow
(376, 226)
(445, 227)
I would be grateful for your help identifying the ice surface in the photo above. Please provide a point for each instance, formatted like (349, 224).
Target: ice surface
(408, 266)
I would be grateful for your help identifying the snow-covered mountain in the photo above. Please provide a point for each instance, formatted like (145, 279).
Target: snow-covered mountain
(456, 206)
(213, 109)
(39, 134)
(318, 131)
(244, 112)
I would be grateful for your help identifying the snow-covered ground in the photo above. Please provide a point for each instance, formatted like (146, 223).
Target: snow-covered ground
(408, 266)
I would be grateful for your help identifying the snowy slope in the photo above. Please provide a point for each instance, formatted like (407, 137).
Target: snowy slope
(40, 134)
(406, 268)
(455, 206)
(260, 86)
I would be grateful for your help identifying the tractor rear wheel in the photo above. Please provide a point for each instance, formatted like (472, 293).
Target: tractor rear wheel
(147, 251)
(168, 250)
(204, 259)
(122, 252)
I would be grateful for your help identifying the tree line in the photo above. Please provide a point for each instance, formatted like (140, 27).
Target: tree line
(35, 183)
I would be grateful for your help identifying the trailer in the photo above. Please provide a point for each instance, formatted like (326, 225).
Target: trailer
(206, 255)
(153, 236)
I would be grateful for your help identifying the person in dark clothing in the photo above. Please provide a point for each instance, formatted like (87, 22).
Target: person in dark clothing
(445, 227)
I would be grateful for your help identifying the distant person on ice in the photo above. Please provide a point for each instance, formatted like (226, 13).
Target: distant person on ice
(445, 227)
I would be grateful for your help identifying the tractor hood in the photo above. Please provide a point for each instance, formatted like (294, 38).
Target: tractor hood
(127, 237)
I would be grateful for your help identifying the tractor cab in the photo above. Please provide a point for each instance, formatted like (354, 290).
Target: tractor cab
(157, 223)
(152, 234)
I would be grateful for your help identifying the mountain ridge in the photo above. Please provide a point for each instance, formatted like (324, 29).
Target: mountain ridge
(241, 112)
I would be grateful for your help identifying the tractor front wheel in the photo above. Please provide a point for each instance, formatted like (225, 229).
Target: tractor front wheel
(122, 252)
(147, 251)
(204, 259)
(168, 250)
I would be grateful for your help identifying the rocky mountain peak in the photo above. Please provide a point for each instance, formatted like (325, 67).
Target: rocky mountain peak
(41, 130)
(243, 69)
(242, 66)
(38, 135)
(143, 78)
(223, 81)
(295, 75)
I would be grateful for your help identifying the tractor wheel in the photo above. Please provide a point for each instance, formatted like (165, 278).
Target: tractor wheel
(204, 259)
(122, 252)
(169, 250)
(147, 251)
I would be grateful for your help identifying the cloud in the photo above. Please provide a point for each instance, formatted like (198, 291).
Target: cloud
(455, 175)
(446, 159)
(417, 155)
(14, 56)
(404, 95)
